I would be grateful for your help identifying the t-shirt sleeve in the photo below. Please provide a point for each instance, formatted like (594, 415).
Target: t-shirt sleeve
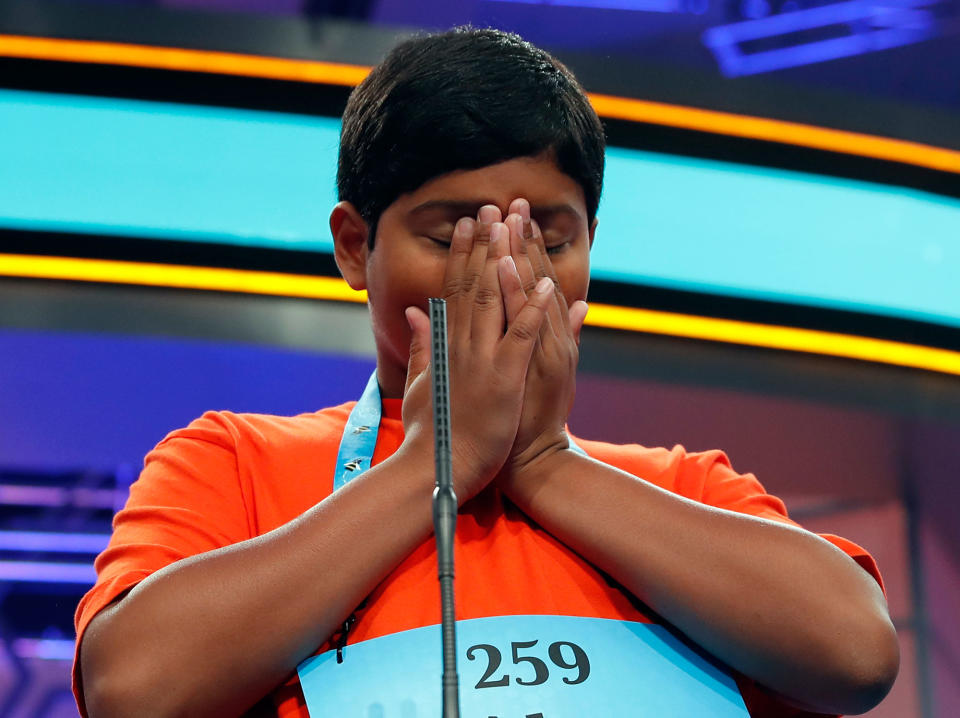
(186, 501)
(725, 488)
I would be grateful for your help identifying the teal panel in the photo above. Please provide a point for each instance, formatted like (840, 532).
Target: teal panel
(774, 234)
(126, 167)
(148, 169)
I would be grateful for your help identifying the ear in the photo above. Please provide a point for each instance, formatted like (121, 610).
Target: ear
(350, 248)
(593, 230)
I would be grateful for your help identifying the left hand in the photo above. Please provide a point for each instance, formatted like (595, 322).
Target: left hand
(551, 377)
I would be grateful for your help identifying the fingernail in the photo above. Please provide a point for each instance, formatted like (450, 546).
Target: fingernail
(489, 214)
(524, 209)
(544, 285)
(466, 227)
(511, 265)
(498, 232)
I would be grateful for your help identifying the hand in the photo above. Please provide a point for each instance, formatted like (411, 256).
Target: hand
(551, 377)
(488, 365)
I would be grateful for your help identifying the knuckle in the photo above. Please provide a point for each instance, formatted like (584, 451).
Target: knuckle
(482, 237)
(486, 297)
(460, 285)
(523, 332)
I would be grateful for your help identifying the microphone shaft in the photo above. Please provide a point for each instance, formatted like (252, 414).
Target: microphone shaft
(444, 505)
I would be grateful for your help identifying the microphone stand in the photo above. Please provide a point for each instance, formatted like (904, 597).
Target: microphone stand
(444, 504)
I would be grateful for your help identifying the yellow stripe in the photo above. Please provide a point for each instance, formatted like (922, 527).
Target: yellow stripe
(692, 118)
(600, 315)
(775, 337)
(181, 277)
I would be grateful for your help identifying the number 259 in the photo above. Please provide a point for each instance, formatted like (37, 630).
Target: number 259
(541, 671)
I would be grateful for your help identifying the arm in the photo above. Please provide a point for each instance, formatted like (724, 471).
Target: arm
(774, 602)
(213, 633)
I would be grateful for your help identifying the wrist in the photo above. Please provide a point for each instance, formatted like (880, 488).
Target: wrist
(469, 473)
(524, 474)
(530, 459)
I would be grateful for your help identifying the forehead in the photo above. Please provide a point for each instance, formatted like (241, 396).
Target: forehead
(462, 193)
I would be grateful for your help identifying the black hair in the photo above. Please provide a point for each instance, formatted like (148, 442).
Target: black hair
(461, 100)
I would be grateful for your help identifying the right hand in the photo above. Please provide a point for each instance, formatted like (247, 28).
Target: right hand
(487, 364)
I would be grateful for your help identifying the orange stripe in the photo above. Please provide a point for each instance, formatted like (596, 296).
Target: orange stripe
(722, 123)
(790, 133)
(175, 58)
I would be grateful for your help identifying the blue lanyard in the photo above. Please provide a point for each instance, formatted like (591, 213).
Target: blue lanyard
(360, 435)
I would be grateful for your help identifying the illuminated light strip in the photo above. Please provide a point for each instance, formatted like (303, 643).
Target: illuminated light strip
(176, 58)
(870, 27)
(691, 118)
(789, 133)
(775, 337)
(179, 276)
(687, 326)
(48, 649)
(51, 541)
(47, 572)
(19, 495)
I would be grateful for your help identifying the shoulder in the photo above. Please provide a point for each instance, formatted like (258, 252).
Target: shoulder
(705, 476)
(228, 429)
(657, 464)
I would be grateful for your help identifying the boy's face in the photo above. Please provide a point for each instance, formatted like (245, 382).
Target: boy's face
(410, 253)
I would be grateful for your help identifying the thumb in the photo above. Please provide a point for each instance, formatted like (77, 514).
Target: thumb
(419, 324)
(576, 315)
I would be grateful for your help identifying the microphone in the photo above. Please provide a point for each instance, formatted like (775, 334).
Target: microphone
(444, 505)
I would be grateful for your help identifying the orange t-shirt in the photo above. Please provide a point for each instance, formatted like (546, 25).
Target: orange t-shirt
(230, 477)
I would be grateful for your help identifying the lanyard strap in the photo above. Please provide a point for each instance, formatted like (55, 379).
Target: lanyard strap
(360, 435)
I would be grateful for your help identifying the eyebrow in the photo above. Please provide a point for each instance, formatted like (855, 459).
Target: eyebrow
(469, 208)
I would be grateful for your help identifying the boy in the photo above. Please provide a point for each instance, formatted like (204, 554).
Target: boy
(470, 168)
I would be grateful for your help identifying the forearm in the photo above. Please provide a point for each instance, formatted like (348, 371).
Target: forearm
(211, 634)
(777, 603)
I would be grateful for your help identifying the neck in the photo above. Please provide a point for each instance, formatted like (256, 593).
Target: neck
(392, 381)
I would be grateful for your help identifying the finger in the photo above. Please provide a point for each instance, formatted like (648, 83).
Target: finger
(465, 289)
(520, 206)
(511, 287)
(577, 314)
(533, 237)
(520, 234)
(520, 245)
(419, 360)
(488, 214)
(518, 250)
(537, 249)
(542, 267)
(454, 281)
(461, 244)
(488, 315)
(486, 217)
(522, 335)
